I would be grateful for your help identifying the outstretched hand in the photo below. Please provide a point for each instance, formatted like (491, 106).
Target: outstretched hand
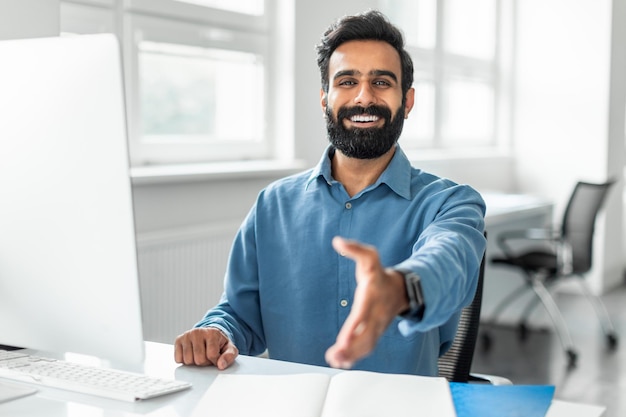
(380, 295)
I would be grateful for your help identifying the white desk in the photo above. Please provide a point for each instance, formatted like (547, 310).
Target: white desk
(509, 209)
(159, 362)
(50, 402)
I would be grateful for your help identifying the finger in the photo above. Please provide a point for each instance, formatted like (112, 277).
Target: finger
(354, 325)
(217, 345)
(193, 347)
(359, 338)
(352, 249)
(189, 351)
(344, 355)
(212, 348)
(184, 349)
(197, 354)
(227, 357)
(349, 345)
(178, 350)
(336, 355)
(365, 257)
(336, 358)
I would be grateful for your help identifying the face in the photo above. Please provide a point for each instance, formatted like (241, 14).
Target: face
(364, 106)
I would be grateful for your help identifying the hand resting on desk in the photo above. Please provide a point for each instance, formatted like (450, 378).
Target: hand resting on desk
(205, 346)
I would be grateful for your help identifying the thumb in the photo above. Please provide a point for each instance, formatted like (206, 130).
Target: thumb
(352, 249)
(343, 246)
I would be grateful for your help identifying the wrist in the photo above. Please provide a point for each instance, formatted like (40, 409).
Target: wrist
(414, 295)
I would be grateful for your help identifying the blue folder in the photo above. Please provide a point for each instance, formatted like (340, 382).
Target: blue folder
(486, 400)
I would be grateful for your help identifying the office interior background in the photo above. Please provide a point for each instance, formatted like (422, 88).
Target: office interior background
(223, 97)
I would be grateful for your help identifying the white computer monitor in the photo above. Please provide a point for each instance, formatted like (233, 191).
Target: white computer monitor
(68, 268)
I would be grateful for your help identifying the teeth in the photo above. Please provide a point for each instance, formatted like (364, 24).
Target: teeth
(364, 118)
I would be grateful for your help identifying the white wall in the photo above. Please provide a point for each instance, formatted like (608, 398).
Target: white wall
(569, 123)
(182, 205)
(29, 18)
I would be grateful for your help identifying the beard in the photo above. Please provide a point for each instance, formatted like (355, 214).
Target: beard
(364, 143)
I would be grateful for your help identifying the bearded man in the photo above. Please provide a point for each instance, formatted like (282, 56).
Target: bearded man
(364, 261)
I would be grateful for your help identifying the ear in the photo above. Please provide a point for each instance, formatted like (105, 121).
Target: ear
(409, 102)
(323, 100)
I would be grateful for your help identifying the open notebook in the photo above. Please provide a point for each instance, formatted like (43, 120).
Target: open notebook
(349, 393)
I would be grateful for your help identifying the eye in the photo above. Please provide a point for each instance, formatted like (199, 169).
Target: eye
(382, 83)
(347, 82)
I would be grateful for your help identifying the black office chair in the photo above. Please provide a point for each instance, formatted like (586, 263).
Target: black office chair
(568, 254)
(455, 365)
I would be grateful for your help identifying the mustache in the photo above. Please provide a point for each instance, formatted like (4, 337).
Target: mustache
(374, 110)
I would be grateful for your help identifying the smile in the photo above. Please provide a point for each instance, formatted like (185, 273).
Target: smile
(364, 118)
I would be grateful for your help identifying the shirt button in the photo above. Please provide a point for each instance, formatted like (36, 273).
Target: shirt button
(344, 303)
(348, 206)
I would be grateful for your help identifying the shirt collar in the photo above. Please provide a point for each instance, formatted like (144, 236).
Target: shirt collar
(396, 176)
(323, 167)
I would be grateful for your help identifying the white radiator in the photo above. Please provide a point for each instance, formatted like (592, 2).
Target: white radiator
(181, 274)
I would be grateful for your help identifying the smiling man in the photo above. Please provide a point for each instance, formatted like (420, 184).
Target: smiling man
(363, 261)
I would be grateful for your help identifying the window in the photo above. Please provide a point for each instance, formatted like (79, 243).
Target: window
(456, 48)
(253, 7)
(182, 85)
(181, 58)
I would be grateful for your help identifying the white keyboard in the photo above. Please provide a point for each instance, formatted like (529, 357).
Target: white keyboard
(103, 382)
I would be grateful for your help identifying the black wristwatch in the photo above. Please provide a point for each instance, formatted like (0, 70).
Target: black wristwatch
(414, 294)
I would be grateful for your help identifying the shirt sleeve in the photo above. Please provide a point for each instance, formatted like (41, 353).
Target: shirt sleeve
(447, 256)
(238, 312)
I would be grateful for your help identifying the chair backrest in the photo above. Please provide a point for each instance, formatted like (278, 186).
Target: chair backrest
(579, 221)
(455, 364)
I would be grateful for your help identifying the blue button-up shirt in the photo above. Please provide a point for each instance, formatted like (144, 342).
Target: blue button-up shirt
(288, 291)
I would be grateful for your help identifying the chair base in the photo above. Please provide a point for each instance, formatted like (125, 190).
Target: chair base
(536, 283)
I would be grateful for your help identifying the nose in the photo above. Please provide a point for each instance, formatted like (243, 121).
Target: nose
(365, 96)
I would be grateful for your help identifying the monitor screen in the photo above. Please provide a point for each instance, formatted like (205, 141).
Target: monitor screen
(68, 266)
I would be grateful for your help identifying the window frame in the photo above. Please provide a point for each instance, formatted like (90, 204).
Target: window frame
(175, 22)
(140, 27)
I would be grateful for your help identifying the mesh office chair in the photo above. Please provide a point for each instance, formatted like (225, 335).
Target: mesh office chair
(569, 254)
(455, 365)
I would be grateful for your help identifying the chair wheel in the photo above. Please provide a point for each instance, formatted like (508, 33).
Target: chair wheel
(486, 341)
(572, 357)
(611, 339)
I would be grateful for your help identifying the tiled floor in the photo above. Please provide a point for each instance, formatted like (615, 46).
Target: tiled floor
(600, 374)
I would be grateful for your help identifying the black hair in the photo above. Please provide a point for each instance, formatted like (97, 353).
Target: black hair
(370, 25)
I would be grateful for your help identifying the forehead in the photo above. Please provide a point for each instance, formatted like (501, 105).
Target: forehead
(365, 57)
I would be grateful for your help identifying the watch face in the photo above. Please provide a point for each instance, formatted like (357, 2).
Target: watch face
(414, 293)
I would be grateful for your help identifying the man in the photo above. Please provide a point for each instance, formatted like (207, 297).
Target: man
(362, 262)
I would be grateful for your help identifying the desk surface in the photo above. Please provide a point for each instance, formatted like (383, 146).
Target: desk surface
(51, 402)
(509, 208)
